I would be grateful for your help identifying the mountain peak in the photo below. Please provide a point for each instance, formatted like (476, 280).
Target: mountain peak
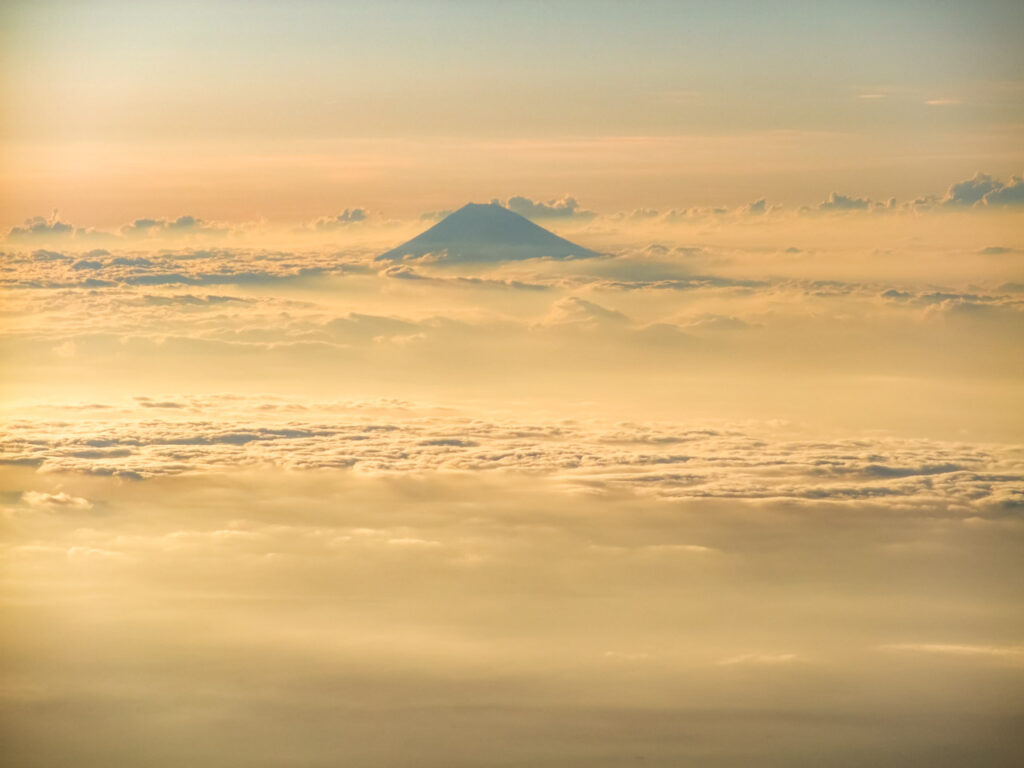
(486, 232)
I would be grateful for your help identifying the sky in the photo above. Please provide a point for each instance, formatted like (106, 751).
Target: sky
(741, 486)
(115, 111)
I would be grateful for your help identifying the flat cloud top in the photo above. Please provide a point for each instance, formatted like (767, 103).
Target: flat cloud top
(170, 436)
(736, 478)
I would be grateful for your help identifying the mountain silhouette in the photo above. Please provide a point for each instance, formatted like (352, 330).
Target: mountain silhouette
(486, 232)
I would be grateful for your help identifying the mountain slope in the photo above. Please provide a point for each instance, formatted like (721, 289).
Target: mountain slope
(486, 232)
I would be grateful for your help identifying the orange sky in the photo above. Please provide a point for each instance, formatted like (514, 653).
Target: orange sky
(114, 111)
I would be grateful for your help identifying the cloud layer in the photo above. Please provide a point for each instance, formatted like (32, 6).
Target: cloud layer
(982, 191)
(171, 436)
(744, 489)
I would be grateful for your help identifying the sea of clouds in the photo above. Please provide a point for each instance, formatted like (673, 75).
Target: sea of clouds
(745, 489)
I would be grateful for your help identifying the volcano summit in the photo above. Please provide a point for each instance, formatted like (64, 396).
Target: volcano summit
(486, 232)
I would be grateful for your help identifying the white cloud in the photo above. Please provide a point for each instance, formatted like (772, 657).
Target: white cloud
(564, 208)
(59, 500)
(578, 312)
(344, 219)
(658, 461)
(983, 189)
(1013, 653)
(40, 227)
(759, 659)
(837, 202)
(1011, 193)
